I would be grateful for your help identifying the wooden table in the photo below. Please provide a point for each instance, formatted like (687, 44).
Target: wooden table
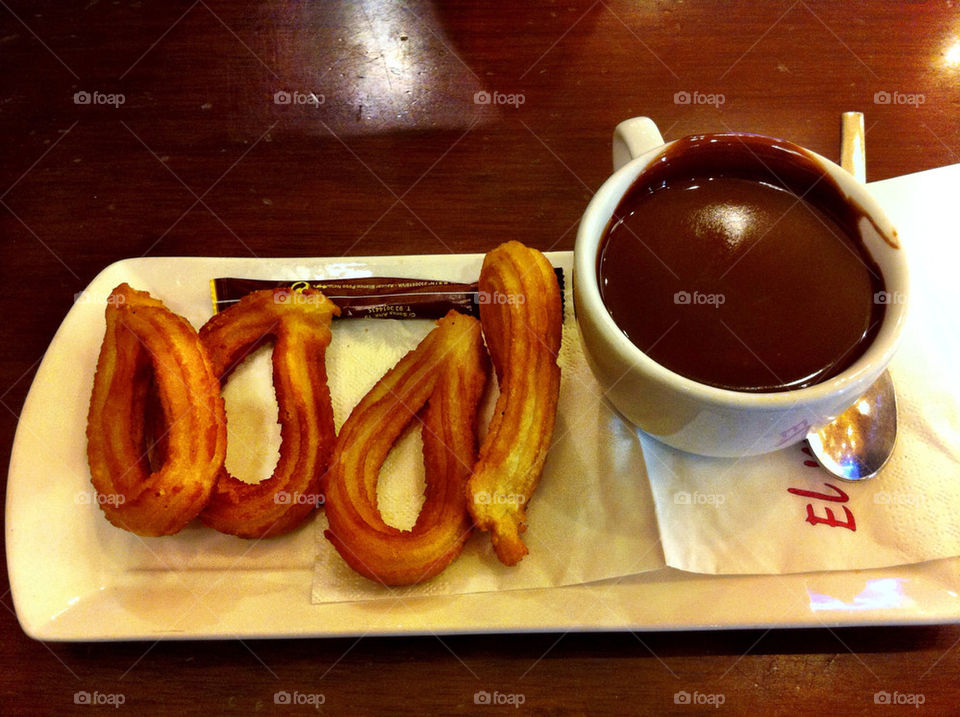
(156, 129)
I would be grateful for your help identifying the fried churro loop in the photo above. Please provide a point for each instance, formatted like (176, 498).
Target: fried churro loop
(447, 372)
(520, 311)
(143, 337)
(299, 325)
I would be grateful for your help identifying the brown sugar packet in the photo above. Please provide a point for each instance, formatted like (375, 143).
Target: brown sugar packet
(368, 296)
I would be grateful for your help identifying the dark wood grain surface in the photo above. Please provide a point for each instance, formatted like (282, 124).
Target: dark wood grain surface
(393, 156)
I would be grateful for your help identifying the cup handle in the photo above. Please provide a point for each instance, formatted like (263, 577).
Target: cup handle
(632, 138)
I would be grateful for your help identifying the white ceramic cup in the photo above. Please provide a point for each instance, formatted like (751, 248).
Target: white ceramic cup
(693, 416)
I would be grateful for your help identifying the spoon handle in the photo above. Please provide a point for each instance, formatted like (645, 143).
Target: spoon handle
(859, 442)
(853, 156)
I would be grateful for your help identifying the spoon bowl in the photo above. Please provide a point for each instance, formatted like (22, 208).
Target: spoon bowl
(860, 441)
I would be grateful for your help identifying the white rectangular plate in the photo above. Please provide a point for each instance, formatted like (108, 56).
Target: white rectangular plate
(69, 582)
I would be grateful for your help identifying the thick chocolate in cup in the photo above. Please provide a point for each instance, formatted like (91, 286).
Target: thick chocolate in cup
(692, 415)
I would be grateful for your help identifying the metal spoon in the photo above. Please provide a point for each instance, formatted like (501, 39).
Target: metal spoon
(860, 441)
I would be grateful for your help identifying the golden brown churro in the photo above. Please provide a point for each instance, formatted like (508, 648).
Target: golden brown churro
(143, 337)
(299, 325)
(520, 312)
(447, 372)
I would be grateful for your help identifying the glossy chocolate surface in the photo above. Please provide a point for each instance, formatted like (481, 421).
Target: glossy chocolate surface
(736, 261)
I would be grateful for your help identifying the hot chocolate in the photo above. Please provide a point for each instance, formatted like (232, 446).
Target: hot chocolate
(736, 261)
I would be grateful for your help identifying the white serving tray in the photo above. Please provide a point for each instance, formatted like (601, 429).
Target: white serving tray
(72, 578)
